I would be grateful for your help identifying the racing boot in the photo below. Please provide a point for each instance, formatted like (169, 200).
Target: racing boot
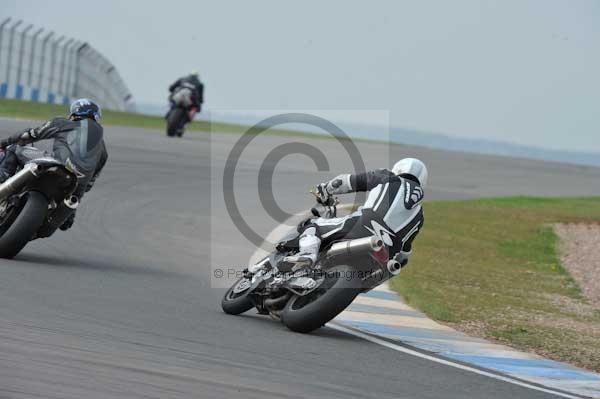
(67, 224)
(8, 165)
(4, 175)
(307, 256)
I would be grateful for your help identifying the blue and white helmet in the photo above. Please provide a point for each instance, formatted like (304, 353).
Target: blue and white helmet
(413, 167)
(84, 108)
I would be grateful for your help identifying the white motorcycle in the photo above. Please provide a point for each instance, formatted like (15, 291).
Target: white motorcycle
(306, 299)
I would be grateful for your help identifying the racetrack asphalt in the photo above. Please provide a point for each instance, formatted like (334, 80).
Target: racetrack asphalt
(125, 304)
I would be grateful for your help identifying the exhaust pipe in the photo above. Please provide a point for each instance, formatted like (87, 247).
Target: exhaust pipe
(15, 183)
(72, 202)
(394, 266)
(355, 247)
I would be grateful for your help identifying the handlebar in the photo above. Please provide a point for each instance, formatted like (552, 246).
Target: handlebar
(330, 205)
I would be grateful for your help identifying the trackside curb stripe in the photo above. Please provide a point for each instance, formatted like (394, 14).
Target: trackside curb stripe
(445, 362)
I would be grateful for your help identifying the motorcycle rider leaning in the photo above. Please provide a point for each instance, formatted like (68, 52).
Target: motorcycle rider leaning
(78, 143)
(191, 82)
(392, 212)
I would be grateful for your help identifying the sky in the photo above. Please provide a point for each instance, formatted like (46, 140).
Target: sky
(523, 71)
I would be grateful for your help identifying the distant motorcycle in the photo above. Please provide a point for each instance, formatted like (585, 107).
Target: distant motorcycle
(306, 299)
(182, 111)
(34, 203)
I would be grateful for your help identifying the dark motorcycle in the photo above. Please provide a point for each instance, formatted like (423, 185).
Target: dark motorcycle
(34, 203)
(306, 299)
(182, 111)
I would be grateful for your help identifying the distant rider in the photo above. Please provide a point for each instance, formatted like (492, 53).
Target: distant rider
(78, 143)
(191, 82)
(392, 212)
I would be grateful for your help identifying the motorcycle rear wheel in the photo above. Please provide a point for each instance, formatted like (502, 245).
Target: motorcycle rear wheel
(175, 122)
(24, 225)
(306, 313)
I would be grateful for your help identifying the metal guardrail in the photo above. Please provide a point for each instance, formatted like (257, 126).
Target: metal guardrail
(39, 66)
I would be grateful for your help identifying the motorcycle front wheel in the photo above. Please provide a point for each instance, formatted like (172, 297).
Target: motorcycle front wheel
(338, 289)
(236, 301)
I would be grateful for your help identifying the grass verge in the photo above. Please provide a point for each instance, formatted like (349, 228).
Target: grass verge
(491, 268)
(39, 111)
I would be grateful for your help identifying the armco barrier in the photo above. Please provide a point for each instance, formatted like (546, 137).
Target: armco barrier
(39, 66)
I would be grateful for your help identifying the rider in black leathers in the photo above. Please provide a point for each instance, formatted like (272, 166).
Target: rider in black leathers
(193, 83)
(78, 143)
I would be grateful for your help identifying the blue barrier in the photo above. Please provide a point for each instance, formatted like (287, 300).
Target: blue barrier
(19, 93)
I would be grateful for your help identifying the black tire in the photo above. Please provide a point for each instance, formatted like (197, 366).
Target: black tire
(236, 302)
(175, 122)
(26, 224)
(304, 314)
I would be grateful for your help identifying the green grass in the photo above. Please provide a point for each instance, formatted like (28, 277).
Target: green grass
(39, 111)
(490, 267)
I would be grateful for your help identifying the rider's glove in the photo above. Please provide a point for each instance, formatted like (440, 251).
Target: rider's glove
(323, 196)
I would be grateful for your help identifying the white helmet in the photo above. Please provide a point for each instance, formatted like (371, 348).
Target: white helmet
(414, 167)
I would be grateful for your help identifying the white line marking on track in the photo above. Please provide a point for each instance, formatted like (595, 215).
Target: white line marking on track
(445, 362)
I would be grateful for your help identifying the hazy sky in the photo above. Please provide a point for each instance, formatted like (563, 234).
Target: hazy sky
(521, 71)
